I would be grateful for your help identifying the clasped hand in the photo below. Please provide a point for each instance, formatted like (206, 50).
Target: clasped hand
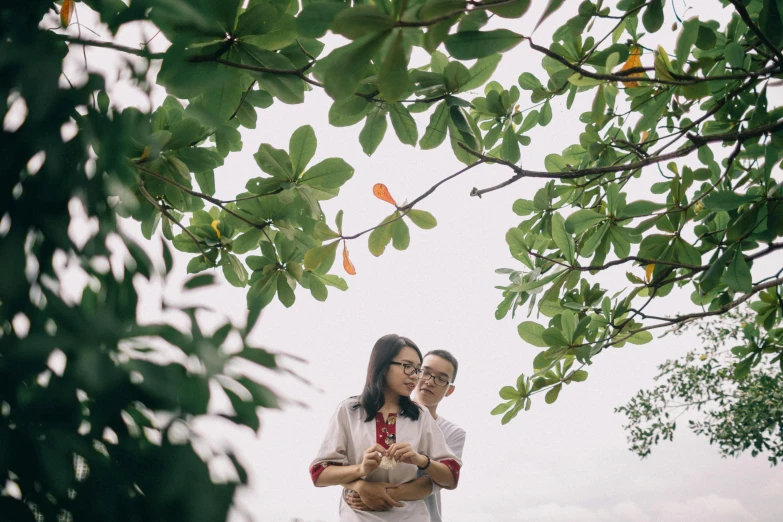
(399, 451)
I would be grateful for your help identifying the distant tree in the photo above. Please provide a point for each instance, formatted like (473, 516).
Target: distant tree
(734, 400)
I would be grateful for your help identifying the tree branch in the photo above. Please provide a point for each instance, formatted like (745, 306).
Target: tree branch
(214, 201)
(698, 142)
(166, 213)
(753, 27)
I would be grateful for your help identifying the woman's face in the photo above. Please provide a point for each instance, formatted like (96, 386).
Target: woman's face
(396, 379)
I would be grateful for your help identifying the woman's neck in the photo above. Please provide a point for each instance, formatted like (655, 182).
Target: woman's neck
(391, 403)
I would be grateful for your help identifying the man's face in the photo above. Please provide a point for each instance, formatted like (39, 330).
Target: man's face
(427, 392)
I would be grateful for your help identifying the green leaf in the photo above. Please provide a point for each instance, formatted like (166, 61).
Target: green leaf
(554, 337)
(284, 292)
(509, 393)
(274, 162)
(561, 237)
(436, 130)
(726, 200)
(361, 20)
(511, 10)
(551, 395)
(247, 241)
(455, 75)
(688, 37)
(583, 219)
(653, 16)
(314, 257)
(403, 123)
(381, 236)
(206, 182)
(184, 243)
(286, 87)
(316, 18)
(401, 236)
(469, 45)
(346, 66)
(199, 281)
(262, 291)
(510, 146)
(738, 275)
(330, 173)
(502, 408)
(545, 116)
(373, 131)
(532, 333)
(393, 74)
(422, 219)
(302, 148)
(480, 72)
(234, 270)
(579, 376)
(643, 337)
(551, 7)
(734, 54)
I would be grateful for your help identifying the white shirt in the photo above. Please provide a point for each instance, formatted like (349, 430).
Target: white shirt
(455, 439)
(347, 438)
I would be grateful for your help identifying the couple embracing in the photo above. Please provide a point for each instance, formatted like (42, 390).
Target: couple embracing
(388, 448)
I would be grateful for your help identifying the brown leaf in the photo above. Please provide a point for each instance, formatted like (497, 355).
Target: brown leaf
(66, 11)
(347, 265)
(381, 192)
(634, 60)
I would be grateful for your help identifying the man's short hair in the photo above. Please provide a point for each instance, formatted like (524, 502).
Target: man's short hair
(443, 354)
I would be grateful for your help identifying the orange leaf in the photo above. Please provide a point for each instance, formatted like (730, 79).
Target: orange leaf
(648, 272)
(645, 135)
(634, 60)
(66, 11)
(347, 262)
(145, 154)
(381, 192)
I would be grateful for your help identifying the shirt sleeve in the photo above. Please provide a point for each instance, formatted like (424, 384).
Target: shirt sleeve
(435, 447)
(456, 443)
(333, 451)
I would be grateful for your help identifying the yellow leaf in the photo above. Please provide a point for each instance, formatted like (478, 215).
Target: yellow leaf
(347, 265)
(381, 192)
(648, 272)
(145, 154)
(215, 224)
(634, 60)
(66, 11)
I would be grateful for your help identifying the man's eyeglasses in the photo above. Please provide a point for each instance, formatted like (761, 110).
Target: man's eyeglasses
(437, 379)
(409, 369)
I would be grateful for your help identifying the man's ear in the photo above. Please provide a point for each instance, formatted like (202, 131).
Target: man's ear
(451, 390)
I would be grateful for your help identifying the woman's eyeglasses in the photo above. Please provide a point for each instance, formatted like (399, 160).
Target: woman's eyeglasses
(409, 369)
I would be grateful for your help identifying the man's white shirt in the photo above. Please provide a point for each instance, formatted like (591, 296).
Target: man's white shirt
(455, 440)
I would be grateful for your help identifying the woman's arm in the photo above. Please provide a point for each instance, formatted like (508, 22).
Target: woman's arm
(437, 471)
(337, 475)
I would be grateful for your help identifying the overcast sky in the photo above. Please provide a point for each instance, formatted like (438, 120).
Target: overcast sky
(567, 461)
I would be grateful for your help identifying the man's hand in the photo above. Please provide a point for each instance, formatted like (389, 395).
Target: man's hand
(372, 496)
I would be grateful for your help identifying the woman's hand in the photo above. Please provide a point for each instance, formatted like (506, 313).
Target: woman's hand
(404, 452)
(371, 459)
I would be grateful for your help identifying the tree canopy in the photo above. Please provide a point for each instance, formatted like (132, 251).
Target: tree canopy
(697, 126)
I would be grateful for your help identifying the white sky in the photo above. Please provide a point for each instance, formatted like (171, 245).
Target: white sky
(567, 461)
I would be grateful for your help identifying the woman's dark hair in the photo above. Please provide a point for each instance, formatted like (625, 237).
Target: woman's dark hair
(372, 398)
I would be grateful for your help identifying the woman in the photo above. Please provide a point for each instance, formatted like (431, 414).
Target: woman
(383, 436)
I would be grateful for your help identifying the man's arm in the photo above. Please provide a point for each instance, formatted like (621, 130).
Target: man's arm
(413, 490)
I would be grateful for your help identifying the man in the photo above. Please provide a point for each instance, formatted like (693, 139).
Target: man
(437, 382)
